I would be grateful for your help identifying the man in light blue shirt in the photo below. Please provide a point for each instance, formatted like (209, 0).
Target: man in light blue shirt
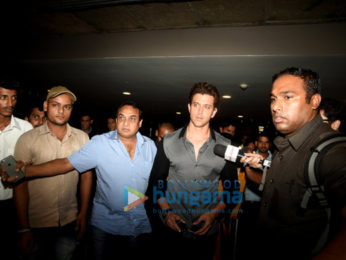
(123, 160)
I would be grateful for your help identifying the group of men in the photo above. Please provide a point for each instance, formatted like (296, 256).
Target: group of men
(189, 188)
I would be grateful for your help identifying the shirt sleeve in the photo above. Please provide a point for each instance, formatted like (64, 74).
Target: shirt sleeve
(333, 174)
(159, 174)
(229, 180)
(22, 149)
(86, 158)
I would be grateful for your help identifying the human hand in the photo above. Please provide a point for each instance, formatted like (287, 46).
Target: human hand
(172, 220)
(253, 160)
(26, 242)
(206, 220)
(80, 226)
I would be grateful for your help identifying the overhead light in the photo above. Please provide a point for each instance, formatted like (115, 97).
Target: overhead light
(243, 86)
(240, 116)
(126, 93)
(178, 113)
(226, 96)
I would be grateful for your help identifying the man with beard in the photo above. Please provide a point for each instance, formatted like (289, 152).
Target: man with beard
(47, 208)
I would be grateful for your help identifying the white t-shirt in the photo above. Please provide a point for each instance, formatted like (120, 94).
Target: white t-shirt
(8, 139)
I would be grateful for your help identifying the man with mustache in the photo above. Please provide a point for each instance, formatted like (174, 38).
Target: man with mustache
(11, 128)
(49, 218)
(286, 229)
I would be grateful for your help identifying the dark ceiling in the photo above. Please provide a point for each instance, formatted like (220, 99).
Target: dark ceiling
(158, 49)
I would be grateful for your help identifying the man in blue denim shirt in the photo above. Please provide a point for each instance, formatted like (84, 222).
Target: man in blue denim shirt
(123, 160)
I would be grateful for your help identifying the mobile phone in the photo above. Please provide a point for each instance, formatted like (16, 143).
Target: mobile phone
(9, 164)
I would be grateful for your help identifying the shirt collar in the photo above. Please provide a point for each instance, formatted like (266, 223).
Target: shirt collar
(299, 137)
(44, 129)
(140, 138)
(14, 123)
(183, 132)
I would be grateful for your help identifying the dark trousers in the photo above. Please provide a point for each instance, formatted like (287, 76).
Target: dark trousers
(8, 230)
(247, 232)
(105, 246)
(176, 246)
(54, 243)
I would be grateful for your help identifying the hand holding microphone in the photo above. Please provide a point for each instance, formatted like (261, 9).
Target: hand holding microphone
(237, 155)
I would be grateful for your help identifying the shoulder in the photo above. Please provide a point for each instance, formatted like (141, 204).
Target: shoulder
(23, 125)
(221, 139)
(174, 136)
(78, 132)
(29, 138)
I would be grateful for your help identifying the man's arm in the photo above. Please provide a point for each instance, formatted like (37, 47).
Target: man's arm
(21, 201)
(51, 168)
(159, 174)
(86, 182)
(254, 175)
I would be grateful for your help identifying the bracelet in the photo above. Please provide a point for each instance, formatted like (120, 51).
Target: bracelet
(23, 230)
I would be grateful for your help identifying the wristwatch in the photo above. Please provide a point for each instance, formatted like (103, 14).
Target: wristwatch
(165, 212)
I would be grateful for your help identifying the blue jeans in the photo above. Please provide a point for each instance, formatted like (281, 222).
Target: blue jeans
(56, 243)
(106, 246)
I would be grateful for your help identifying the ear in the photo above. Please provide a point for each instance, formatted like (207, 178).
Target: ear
(140, 123)
(315, 101)
(26, 118)
(189, 107)
(256, 143)
(45, 106)
(91, 121)
(214, 112)
(335, 125)
(221, 129)
(156, 133)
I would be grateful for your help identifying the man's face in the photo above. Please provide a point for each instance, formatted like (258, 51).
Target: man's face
(59, 109)
(86, 122)
(8, 100)
(229, 130)
(111, 124)
(37, 117)
(162, 132)
(201, 109)
(263, 144)
(128, 122)
(289, 108)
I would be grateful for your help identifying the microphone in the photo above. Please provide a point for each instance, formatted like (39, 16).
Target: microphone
(234, 154)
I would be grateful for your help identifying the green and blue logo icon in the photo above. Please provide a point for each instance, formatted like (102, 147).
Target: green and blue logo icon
(132, 198)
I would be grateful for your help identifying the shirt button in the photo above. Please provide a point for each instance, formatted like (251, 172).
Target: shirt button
(281, 156)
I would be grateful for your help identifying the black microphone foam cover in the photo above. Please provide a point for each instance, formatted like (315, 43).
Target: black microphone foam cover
(220, 150)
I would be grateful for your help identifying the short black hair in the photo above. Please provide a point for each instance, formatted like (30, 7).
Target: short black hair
(263, 134)
(33, 105)
(311, 80)
(228, 122)
(11, 84)
(333, 109)
(205, 88)
(132, 104)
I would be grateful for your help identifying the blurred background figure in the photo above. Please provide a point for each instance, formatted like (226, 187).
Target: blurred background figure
(332, 112)
(163, 129)
(86, 121)
(36, 116)
(227, 129)
(111, 123)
